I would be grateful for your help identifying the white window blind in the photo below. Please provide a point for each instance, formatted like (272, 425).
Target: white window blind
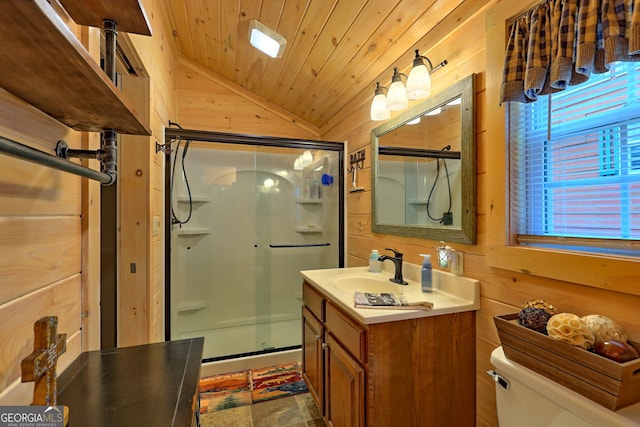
(575, 160)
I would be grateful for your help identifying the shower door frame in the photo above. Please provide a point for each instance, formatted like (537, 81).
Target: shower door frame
(176, 134)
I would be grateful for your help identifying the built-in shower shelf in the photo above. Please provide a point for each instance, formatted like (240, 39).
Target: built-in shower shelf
(190, 306)
(309, 201)
(194, 199)
(308, 229)
(193, 231)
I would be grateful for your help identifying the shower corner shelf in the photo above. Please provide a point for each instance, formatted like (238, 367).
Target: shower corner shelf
(304, 229)
(194, 199)
(193, 231)
(190, 306)
(309, 201)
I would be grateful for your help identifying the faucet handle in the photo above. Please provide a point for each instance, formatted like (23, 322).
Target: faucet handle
(395, 252)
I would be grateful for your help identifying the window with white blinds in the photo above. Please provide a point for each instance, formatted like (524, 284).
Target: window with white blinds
(575, 163)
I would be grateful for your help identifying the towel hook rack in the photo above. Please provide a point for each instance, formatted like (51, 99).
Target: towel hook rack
(356, 161)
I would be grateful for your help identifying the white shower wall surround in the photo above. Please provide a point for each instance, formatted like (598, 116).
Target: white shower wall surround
(407, 185)
(235, 265)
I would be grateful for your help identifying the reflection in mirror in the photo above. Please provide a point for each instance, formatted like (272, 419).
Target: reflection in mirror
(424, 169)
(423, 185)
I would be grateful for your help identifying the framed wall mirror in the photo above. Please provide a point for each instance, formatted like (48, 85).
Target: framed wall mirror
(424, 168)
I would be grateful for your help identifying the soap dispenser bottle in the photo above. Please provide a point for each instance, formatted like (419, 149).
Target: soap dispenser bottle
(375, 265)
(427, 274)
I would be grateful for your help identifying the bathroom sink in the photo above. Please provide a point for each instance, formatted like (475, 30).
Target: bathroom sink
(451, 293)
(365, 283)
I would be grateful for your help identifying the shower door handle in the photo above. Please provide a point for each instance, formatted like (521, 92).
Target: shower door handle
(303, 245)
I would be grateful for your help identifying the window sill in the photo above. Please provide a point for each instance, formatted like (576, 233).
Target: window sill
(600, 271)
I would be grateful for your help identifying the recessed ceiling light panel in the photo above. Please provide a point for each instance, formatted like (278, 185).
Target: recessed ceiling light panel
(265, 39)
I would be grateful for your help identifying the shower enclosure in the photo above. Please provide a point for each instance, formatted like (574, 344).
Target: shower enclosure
(247, 214)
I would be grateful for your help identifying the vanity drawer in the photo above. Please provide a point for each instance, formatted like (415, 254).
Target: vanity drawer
(350, 334)
(313, 301)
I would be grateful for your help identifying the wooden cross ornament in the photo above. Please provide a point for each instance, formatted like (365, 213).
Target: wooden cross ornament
(40, 365)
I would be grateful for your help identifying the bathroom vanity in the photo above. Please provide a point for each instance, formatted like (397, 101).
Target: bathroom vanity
(385, 367)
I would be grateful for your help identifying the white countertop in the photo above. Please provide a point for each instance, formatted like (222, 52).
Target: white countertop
(451, 293)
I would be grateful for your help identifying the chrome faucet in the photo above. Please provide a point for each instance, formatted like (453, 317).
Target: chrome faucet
(397, 262)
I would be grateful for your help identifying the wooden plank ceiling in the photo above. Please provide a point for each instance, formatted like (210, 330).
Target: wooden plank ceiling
(336, 49)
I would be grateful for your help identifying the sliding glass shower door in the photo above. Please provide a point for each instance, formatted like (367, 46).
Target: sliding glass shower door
(247, 219)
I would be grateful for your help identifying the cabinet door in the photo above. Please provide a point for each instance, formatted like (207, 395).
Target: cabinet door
(312, 360)
(344, 381)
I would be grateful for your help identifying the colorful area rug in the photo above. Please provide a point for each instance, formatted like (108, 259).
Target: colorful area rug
(241, 388)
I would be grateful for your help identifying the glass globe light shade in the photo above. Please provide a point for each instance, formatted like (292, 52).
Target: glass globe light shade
(418, 82)
(379, 110)
(397, 97)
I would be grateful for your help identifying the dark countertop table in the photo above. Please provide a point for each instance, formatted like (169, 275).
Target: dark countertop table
(147, 385)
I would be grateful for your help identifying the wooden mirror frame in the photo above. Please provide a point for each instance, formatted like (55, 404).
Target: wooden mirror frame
(467, 232)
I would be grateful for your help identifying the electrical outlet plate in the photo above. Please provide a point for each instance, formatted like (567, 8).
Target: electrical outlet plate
(457, 263)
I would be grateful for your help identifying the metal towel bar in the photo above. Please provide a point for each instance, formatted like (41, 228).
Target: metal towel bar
(25, 152)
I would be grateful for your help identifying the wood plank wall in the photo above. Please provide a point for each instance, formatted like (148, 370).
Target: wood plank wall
(40, 246)
(50, 223)
(207, 101)
(49, 240)
(501, 291)
(141, 301)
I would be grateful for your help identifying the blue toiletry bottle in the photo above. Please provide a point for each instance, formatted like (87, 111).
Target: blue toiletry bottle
(427, 274)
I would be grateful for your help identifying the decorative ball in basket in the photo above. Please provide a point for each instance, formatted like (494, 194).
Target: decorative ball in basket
(590, 355)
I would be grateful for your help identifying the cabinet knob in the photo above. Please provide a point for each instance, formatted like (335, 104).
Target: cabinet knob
(324, 346)
(318, 337)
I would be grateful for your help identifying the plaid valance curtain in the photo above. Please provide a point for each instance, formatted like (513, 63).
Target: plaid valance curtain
(562, 42)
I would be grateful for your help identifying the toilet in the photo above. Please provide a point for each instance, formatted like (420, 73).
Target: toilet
(525, 398)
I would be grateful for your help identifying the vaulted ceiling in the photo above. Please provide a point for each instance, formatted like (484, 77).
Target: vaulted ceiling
(335, 52)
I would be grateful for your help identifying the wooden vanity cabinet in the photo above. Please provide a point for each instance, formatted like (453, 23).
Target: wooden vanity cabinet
(313, 344)
(344, 382)
(335, 379)
(418, 372)
(312, 356)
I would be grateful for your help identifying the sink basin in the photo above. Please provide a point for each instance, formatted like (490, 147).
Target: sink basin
(365, 283)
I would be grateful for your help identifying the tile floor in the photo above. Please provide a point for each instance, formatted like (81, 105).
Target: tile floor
(292, 411)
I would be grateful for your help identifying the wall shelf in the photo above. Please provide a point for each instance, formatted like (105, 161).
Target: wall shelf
(44, 64)
(129, 14)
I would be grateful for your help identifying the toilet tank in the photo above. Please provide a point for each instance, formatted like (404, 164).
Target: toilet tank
(527, 399)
